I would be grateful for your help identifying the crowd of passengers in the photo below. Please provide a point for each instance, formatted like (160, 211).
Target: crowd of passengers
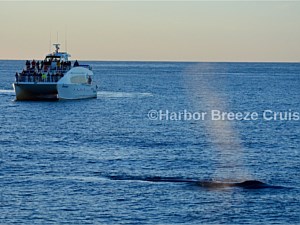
(44, 71)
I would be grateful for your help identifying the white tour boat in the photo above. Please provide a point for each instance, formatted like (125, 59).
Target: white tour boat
(55, 78)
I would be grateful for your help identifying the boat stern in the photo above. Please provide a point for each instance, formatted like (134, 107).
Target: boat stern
(35, 91)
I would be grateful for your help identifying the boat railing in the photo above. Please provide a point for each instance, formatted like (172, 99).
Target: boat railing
(43, 75)
(44, 78)
(52, 70)
(86, 66)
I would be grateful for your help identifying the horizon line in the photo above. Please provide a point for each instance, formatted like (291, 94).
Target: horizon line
(166, 61)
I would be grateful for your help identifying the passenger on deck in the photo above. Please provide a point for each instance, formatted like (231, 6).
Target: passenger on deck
(68, 65)
(76, 63)
(38, 65)
(33, 63)
(40, 77)
(44, 77)
(42, 64)
(27, 64)
(45, 68)
(58, 65)
(89, 80)
(17, 77)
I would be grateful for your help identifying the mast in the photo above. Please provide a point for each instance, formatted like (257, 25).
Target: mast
(56, 47)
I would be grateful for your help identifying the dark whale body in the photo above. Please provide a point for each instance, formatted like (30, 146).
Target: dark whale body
(252, 184)
(248, 184)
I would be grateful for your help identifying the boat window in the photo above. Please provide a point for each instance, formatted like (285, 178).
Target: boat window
(78, 79)
(52, 58)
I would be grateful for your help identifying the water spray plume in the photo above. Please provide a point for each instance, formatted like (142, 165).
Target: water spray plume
(202, 83)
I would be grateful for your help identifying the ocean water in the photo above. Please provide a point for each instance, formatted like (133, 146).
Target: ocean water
(94, 161)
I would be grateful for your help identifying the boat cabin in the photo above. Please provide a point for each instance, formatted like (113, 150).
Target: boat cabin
(51, 69)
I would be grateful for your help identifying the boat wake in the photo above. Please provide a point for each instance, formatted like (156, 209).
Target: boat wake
(6, 92)
(100, 94)
(108, 94)
(210, 184)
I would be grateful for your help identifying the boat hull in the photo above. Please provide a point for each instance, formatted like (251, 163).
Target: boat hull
(35, 91)
(77, 84)
(76, 91)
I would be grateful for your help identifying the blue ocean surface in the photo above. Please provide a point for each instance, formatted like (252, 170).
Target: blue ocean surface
(134, 155)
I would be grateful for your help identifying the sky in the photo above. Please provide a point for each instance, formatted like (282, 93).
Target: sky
(221, 31)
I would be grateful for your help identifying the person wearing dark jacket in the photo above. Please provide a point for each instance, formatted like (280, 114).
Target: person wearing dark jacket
(76, 63)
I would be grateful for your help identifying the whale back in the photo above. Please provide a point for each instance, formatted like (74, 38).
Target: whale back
(251, 184)
(248, 184)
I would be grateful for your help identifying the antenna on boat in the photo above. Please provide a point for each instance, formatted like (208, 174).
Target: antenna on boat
(50, 43)
(56, 37)
(66, 46)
